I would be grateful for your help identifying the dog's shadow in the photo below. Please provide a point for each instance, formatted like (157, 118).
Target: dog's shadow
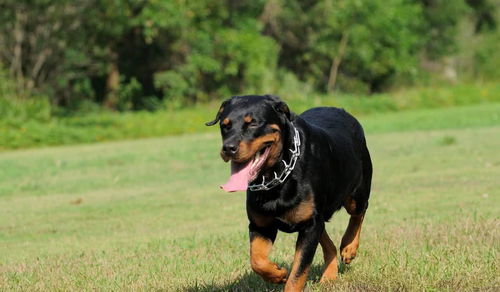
(250, 281)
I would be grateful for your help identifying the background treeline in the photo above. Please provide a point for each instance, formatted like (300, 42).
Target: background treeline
(134, 55)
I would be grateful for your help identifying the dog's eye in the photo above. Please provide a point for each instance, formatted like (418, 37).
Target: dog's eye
(253, 124)
(225, 127)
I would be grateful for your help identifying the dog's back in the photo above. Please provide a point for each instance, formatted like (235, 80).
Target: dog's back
(348, 146)
(337, 124)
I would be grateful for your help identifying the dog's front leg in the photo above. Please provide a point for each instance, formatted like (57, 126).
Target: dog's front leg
(261, 242)
(307, 242)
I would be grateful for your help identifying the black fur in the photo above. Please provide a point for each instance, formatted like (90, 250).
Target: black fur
(334, 164)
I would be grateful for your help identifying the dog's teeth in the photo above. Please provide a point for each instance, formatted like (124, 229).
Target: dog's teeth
(256, 159)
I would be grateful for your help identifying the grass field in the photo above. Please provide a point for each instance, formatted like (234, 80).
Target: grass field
(148, 214)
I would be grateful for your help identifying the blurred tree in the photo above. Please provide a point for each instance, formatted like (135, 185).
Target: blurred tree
(147, 54)
(36, 37)
(484, 14)
(441, 25)
(218, 48)
(374, 40)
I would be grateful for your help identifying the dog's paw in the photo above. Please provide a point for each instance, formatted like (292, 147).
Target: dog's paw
(330, 272)
(327, 278)
(279, 275)
(348, 253)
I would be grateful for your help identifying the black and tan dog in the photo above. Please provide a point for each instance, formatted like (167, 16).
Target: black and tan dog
(297, 171)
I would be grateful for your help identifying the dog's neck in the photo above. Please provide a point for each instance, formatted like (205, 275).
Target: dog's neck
(287, 134)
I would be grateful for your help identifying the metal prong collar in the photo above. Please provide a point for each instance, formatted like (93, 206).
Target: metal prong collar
(279, 179)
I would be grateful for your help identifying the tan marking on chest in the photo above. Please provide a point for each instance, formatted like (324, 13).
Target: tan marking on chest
(301, 212)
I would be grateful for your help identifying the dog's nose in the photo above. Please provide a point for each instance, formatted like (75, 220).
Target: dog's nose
(230, 148)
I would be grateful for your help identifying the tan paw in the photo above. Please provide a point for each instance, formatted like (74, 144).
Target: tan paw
(328, 278)
(278, 276)
(330, 272)
(348, 253)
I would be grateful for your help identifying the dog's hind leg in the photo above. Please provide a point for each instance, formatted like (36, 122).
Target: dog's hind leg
(356, 206)
(350, 240)
(261, 242)
(330, 256)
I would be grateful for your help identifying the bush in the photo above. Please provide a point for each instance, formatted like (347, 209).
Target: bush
(28, 123)
(487, 57)
(15, 110)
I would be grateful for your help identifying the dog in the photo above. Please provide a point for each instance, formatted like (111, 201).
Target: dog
(297, 170)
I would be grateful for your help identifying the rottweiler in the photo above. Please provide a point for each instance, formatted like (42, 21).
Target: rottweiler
(297, 170)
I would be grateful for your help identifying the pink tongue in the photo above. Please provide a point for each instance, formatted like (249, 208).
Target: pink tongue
(240, 174)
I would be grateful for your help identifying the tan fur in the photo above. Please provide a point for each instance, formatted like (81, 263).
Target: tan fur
(330, 257)
(350, 240)
(276, 148)
(259, 259)
(350, 205)
(247, 149)
(248, 119)
(274, 126)
(300, 213)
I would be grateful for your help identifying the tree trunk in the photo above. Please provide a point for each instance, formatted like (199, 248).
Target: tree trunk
(16, 65)
(112, 85)
(336, 63)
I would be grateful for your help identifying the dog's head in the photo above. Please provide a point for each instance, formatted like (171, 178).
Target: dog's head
(251, 129)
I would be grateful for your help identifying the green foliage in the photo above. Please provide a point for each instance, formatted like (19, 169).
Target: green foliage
(441, 19)
(487, 57)
(96, 127)
(28, 123)
(7, 88)
(15, 111)
(127, 92)
(215, 58)
(382, 39)
(45, 47)
(148, 55)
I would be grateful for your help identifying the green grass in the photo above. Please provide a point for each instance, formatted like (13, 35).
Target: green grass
(474, 116)
(30, 124)
(148, 214)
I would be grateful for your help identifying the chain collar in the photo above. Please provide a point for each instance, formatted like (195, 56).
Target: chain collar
(277, 180)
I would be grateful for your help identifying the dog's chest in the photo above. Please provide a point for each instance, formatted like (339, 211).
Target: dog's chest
(300, 213)
(289, 220)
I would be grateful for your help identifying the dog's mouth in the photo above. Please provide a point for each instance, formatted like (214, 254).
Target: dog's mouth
(242, 173)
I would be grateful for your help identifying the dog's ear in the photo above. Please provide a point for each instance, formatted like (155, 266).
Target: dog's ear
(217, 116)
(280, 106)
